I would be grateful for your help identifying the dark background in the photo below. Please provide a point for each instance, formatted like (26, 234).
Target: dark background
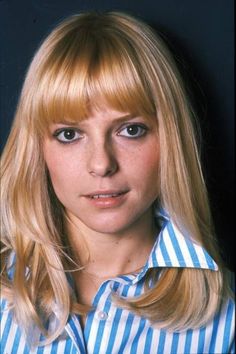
(201, 35)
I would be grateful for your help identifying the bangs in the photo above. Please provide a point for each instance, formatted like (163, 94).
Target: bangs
(85, 72)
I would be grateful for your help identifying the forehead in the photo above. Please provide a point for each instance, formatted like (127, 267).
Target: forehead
(78, 77)
(74, 111)
(105, 117)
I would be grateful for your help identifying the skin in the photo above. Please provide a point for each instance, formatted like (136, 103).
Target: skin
(111, 151)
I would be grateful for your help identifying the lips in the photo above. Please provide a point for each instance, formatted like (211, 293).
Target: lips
(105, 194)
(107, 199)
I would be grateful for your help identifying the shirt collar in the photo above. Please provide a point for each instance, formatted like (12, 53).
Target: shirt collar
(173, 249)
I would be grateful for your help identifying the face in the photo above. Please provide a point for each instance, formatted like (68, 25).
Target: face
(104, 169)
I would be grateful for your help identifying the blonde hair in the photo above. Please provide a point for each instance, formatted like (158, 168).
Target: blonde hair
(88, 59)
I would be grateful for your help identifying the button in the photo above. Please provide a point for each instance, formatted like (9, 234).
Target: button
(102, 315)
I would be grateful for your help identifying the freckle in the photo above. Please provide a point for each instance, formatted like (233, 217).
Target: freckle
(129, 260)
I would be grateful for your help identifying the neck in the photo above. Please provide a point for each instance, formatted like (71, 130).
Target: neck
(107, 255)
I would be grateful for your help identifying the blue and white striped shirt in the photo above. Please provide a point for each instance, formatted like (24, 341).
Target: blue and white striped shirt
(113, 330)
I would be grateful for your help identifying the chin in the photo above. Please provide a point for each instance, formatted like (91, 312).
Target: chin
(109, 224)
(108, 228)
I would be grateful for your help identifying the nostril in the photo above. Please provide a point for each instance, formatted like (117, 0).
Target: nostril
(103, 172)
(102, 159)
(102, 165)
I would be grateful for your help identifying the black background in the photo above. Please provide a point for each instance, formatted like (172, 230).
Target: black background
(201, 35)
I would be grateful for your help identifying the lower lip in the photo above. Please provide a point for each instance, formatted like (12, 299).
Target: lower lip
(109, 202)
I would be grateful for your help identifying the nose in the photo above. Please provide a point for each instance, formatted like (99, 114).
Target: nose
(102, 161)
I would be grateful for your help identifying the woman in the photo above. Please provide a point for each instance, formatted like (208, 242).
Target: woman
(107, 237)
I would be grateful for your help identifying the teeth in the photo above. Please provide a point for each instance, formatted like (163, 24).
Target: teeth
(105, 196)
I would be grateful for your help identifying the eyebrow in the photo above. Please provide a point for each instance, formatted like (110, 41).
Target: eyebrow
(116, 120)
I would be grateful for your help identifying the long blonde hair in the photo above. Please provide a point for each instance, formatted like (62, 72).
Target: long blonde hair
(116, 59)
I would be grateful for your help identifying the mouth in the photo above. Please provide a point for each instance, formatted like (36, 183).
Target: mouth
(105, 195)
(107, 199)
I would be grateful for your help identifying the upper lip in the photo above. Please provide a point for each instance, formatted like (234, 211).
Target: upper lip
(106, 192)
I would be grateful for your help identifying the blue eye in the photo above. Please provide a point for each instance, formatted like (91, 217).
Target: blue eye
(67, 135)
(133, 131)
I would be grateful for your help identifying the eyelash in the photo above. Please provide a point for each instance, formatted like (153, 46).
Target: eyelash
(57, 133)
(137, 126)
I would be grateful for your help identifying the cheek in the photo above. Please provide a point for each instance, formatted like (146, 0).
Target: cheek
(149, 160)
(145, 170)
(61, 168)
(63, 180)
(150, 175)
(62, 175)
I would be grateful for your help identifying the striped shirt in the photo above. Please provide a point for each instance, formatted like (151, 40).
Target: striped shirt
(112, 330)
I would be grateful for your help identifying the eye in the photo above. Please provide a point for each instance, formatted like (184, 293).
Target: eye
(133, 131)
(67, 135)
